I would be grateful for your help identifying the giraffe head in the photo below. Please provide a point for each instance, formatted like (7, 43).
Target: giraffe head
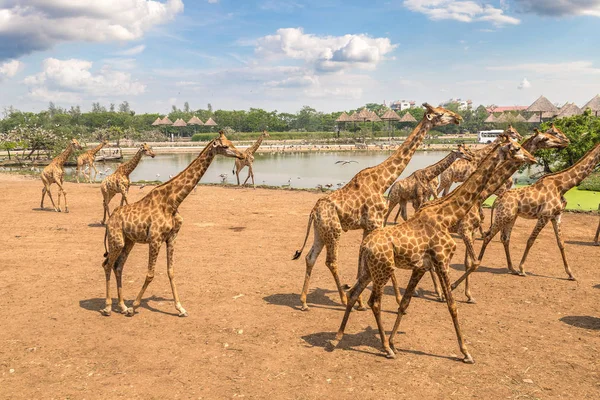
(265, 133)
(105, 142)
(75, 143)
(512, 133)
(463, 152)
(553, 138)
(223, 146)
(147, 150)
(511, 150)
(440, 116)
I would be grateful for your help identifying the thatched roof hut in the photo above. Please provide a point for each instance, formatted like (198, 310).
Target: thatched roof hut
(408, 117)
(543, 106)
(519, 118)
(353, 117)
(490, 118)
(157, 122)
(210, 122)
(534, 119)
(390, 115)
(374, 117)
(179, 122)
(166, 121)
(502, 118)
(343, 118)
(568, 110)
(195, 121)
(364, 115)
(593, 104)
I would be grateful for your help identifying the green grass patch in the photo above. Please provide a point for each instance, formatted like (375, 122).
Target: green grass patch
(577, 200)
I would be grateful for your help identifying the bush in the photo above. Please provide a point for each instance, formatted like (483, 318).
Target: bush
(592, 182)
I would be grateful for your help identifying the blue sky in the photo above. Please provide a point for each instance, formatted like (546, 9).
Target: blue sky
(282, 55)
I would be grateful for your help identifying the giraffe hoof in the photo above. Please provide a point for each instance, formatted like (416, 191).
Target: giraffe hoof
(572, 278)
(331, 345)
(468, 359)
(361, 308)
(183, 314)
(130, 312)
(522, 274)
(390, 354)
(471, 301)
(304, 307)
(105, 312)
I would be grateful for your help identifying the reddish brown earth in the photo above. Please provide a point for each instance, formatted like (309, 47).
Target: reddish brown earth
(533, 337)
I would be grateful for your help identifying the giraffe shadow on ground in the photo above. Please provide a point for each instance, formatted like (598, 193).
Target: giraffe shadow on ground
(96, 225)
(43, 209)
(369, 338)
(497, 271)
(597, 286)
(581, 243)
(96, 304)
(582, 321)
(316, 298)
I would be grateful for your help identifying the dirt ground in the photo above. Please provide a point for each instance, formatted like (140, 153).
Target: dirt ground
(533, 337)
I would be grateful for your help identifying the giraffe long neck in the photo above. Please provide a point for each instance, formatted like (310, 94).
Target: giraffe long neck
(576, 173)
(506, 170)
(62, 158)
(389, 170)
(427, 174)
(252, 149)
(455, 206)
(178, 188)
(128, 167)
(96, 149)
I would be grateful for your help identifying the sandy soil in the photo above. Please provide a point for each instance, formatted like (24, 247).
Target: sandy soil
(533, 337)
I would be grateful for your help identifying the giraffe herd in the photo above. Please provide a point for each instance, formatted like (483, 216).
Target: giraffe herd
(420, 243)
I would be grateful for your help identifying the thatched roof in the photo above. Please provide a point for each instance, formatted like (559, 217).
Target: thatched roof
(593, 104)
(408, 117)
(534, 119)
(548, 114)
(568, 110)
(157, 122)
(390, 115)
(210, 122)
(166, 121)
(195, 121)
(519, 118)
(354, 117)
(502, 118)
(179, 122)
(363, 115)
(543, 105)
(374, 117)
(490, 118)
(343, 118)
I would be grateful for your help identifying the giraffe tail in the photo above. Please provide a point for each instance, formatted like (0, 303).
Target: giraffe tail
(299, 252)
(105, 246)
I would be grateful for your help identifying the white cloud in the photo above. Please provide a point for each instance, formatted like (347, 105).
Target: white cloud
(73, 79)
(10, 69)
(295, 82)
(325, 53)
(43, 23)
(560, 8)
(213, 1)
(572, 68)
(463, 11)
(132, 51)
(525, 84)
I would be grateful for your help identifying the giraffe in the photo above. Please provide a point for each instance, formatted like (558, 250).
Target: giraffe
(544, 201)
(551, 139)
(55, 173)
(361, 204)
(248, 159)
(153, 220)
(422, 243)
(416, 188)
(89, 157)
(118, 182)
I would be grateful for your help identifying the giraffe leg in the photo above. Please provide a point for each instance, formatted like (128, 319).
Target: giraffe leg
(597, 234)
(171, 273)
(45, 190)
(403, 210)
(470, 265)
(252, 174)
(106, 198)
(505, 238)
(311, 259)
(397, 293)
(115, 248)
(375, 304)
(436, 286)
(561, 246)
(247, 177)
(152, 256)
(332, 263)
(416, 276)
(444, 281)
(391, 205)
(353, 295)
(237, 175)
(95, 172)
(118, 268)
(78, 171)
(481, 219)
(536, 231)
(64, 193)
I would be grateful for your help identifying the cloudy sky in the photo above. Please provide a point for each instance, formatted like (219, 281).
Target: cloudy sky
(283, 54)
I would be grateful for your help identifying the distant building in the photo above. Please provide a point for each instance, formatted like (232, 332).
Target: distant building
(462, 104)
(401, 105)
(501, 109)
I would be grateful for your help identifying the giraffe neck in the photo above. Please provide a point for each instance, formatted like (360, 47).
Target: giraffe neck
(388, 171)
(178, 188)
(252, 149)
(128, 167)
(62, 158)
(95, 150)
(427, 174)
(455, 206)
(572, 176)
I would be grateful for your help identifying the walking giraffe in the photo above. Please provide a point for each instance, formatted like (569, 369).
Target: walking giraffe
(361, 204)
(155, 220)
(544, 201)
(89, 158)
(55, 173)
(119, 182)
(422, 243)
(248, 159)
